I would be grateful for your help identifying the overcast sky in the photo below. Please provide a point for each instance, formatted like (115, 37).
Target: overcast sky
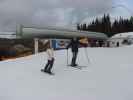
(58, 12)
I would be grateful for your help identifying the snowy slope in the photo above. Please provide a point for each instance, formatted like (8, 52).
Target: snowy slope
(107, 77)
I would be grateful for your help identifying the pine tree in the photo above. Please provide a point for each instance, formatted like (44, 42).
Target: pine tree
(104, 25)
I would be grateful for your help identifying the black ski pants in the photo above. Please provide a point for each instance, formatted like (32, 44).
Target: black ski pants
(73, 62)
(49, 65)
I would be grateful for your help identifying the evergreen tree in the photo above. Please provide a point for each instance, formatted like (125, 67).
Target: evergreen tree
(104, 25)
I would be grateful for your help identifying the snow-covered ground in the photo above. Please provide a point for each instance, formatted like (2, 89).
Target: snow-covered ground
(107, 77)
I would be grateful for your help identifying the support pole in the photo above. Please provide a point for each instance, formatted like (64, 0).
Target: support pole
(36, 45)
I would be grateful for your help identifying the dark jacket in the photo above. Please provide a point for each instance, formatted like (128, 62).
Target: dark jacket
(74, 44)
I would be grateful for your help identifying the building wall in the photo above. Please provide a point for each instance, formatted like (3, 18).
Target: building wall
(113, 42)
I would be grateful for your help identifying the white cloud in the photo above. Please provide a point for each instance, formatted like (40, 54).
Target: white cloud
(49, 12)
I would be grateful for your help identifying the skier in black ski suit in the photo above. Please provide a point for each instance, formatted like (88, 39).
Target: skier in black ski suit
(74, 44)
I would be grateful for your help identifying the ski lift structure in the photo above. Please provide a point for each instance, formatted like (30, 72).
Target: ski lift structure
(55, 33)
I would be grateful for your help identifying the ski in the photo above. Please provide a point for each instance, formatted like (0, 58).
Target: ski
(75, 67)
(42, 70)
(78, 67)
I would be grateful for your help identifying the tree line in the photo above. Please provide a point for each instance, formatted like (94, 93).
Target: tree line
(105, 25)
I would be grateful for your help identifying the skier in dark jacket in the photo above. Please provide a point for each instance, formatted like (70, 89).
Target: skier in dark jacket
(74, 44)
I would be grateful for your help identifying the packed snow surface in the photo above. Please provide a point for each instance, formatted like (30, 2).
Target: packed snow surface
(108, 76)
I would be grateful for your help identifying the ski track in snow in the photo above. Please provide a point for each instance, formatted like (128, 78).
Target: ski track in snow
(107, 77)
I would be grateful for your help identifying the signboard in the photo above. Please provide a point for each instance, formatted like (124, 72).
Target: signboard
(60, 43)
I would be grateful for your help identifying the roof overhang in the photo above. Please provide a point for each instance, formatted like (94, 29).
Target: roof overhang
(36, 32)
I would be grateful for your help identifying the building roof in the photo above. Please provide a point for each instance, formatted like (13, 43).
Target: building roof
(123, 35)
(48, 32)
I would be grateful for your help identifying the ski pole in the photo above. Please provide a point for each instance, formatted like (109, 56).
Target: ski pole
(88, 60)
(67, 56)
